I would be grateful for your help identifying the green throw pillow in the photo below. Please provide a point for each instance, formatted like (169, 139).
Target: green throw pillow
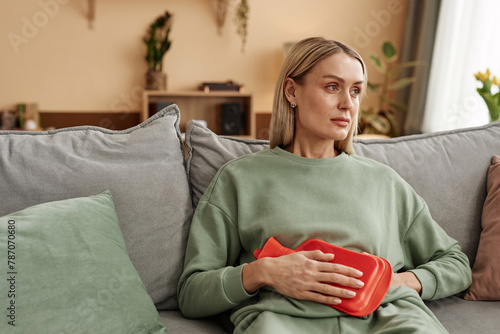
(64, 268)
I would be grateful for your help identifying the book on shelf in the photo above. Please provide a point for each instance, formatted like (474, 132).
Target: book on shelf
(228, 86)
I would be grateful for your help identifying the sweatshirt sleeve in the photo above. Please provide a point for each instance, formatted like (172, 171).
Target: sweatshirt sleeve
(435, 258)
(210, 283)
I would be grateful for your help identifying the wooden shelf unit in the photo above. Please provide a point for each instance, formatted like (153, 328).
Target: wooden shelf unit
(262, 124)
(199, 105)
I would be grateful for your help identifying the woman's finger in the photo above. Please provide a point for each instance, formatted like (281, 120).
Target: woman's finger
(340, 279)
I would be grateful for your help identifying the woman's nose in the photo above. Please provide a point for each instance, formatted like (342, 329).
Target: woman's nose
(345, 102)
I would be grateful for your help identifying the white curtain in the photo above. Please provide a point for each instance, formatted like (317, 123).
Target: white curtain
(467, 42)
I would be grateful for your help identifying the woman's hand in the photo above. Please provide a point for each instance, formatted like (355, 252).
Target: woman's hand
(407, 279)
(303, 275)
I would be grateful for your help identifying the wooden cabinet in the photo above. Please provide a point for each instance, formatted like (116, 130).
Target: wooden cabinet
(201, 106)
(262, 124)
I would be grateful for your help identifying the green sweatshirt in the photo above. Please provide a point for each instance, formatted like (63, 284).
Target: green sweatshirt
(350, 201)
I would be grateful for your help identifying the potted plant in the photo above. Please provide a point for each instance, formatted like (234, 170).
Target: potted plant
(157, 44)
(491, 98)
(382, 119)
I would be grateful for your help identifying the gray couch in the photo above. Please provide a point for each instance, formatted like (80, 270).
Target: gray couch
(154, 189)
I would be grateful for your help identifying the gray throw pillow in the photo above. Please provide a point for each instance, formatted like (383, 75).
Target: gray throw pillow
(143, 167)
(207, 152)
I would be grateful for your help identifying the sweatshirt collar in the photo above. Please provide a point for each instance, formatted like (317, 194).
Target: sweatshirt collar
(310, 161)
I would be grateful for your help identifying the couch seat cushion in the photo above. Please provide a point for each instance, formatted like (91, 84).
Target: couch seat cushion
(461, 316)
(177, 324)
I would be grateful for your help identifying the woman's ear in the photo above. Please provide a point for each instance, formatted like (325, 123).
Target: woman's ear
(289, 87)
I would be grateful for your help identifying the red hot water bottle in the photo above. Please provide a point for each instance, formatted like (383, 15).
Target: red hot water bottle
(377, 272)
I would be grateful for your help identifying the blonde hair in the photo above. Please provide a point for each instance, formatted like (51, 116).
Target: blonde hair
(300, 60)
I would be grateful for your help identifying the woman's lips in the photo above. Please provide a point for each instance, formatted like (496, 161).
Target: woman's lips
(341, 121)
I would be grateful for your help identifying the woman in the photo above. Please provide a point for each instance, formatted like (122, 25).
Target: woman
(309, 184)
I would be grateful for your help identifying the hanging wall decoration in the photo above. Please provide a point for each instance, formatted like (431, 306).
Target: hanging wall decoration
(241, 15)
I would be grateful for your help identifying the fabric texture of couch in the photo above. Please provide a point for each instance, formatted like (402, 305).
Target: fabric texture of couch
(155, 190)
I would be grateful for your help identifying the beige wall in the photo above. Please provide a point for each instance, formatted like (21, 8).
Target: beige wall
(49, 55)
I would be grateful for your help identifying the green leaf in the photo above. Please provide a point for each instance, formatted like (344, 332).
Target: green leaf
(402, 83)
(367, 113)
(381, 124)
(390, 51)
(378, 122)
(394, 127)
(379, 64)
(407, 64)
(401, 107)
(372, 87)
(398, 68)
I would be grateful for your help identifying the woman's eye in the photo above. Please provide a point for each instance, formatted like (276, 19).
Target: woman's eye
(355, 92)
(332, 87)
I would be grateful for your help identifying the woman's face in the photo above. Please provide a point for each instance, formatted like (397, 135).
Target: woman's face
(327, 98)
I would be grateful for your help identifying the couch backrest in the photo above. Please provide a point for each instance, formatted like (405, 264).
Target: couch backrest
(447, 169)
(144, 169)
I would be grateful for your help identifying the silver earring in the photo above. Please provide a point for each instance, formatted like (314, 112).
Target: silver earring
(293, 105)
